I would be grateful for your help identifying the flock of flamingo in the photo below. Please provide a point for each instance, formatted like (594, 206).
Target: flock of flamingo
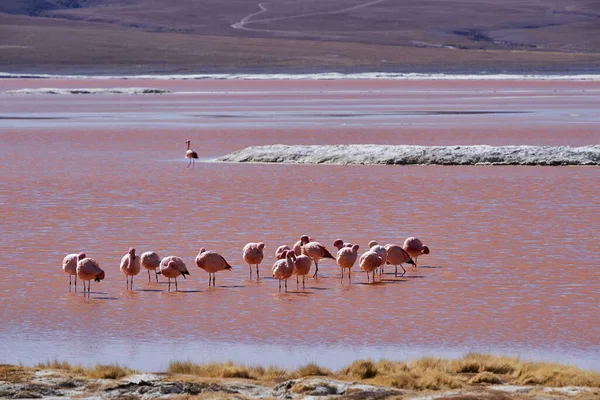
(297, 261)
(290, 261)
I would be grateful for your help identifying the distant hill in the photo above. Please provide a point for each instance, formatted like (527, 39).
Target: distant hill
(179, 35)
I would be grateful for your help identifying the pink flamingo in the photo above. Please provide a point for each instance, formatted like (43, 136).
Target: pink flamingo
(298, 245)
(414, 247)
(191, 154)
(150, 261)
(346, 257)
(369, 262)
(130, 266)
(381, 252)
(396, 255)
(279, 252)
(339, 244)
(283, 269)
(253, 255)
(88, 269)
(302, 266)
(69, 266)
(211, 262)
(171, 267)
(315, 251)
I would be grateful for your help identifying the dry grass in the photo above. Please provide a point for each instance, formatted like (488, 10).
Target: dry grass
(427, 373)
(100, 371)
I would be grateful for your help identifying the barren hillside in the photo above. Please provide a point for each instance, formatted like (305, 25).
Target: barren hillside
(407, 35)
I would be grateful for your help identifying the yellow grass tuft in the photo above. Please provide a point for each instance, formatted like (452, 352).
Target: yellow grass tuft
(100, 371)
(485, 377)
(361, 369)
(311, 369)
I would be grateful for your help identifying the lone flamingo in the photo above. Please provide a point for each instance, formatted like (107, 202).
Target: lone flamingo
(302, 266)
(88, 269)
(253, 255)
(396, 255)
(150, 261)
(211, 262)
(172, 267)
(414, 247)
(315, 251)
(279, 252)
(369, 262)
(346, 257)
(69, 266)
(283, 269)
(191, 154)
(381, 252)
(130, 266)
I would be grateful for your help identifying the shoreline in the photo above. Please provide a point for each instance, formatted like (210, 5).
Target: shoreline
(473, 376)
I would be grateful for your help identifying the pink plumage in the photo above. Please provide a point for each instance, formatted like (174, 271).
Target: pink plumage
(130, 266)
(414, 247)
(315, 251)
(283, 269)
(253, 254)
(171, 267)
(396, 255)
(211, 262)
(346, 257)
(151, 262)
(369, 262)
(88, 269)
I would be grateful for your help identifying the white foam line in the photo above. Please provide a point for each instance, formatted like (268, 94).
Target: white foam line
(321, 76)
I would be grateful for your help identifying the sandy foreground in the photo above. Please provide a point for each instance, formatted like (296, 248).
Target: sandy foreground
(358, 381)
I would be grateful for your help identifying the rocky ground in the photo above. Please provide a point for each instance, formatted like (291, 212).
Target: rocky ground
(28, 383)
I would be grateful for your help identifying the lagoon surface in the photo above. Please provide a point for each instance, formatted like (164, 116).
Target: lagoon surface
(514, 263)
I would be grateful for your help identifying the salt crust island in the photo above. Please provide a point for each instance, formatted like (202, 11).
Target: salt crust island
(408, 154)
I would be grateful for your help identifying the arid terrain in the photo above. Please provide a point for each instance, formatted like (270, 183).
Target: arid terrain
(160, 36)
(475, 376)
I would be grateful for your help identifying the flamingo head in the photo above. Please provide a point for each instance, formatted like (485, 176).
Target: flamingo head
(339, 243)
(81, 256)
(100, 276)
(373, 243)
(425, 250)
(131, 252)
(355, 248)
(202, 250)
(261, 245)
(304, 239)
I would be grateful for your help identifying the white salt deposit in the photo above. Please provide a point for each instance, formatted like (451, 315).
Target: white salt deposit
(405, 154)
(89, 91)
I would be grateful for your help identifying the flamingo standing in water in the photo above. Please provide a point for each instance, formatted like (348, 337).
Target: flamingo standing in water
(283, 269)
(346, 257)
(302, 266)
(150, 261)
(88, 269)
(315, 251)
(172, 267)
(253, 255)
(369, 262)
(191, 154)
(279, 252)
(130, 266)
(396, 255)
(69, 266)
(381, 252)
(414, 247)
(211, 262)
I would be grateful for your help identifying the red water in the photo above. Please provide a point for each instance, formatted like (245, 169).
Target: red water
(514, 256)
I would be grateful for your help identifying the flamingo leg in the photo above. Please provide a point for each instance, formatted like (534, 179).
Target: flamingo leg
(349, 276)
(156, 272)
(373, 276)
(132, 283)
(169, 284)
(176, 285)
(286, 285)
(316, 269)
(342, 274)
(297, 282)
(403, 270)
(257, 274)
(69, 283)
(303, 281)
(368, 277)
(280, 286)
(75, 282)
(189, 163)
(250, 266)
(149, 280)
(193, 163)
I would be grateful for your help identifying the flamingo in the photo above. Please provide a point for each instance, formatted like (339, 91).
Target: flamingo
(283, 269)
(211, 262)
(69, 266)
(279, 252)
(172, 267)
(396, 255)
(150, 261)
(381, 252)
(191, 154)
(88, 269)
(298, 245)
(302, 266)
(253, 254)
(414, 247)
(339, 243)
(369, 262)
(130, 266)
(346, 257)
(315, 251)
